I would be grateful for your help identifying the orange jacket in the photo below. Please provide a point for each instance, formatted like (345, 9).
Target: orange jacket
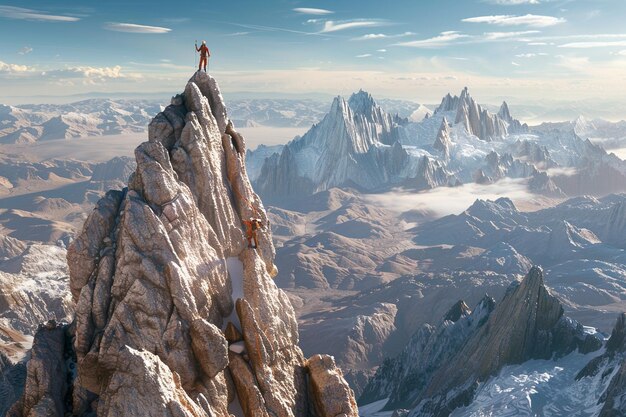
(204, 51)
(252, 226)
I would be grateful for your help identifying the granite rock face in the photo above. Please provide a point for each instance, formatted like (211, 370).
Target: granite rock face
(45, 388)
(156, 274)
(442, 141)
(331, 395)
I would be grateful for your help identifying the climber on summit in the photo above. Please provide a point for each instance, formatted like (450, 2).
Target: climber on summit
(204, 55)
(252, 226)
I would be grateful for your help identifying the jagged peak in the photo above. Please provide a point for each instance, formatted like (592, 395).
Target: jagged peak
(504, 112)
(465, 95)
(339, 106)
(445, 126)
(492, 206)
(617, 341)
(458, 310)
(362, 102)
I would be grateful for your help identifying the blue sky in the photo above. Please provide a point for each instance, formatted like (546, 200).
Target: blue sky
(524, 49)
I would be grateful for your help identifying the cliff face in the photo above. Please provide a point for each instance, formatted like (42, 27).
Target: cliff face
(161, 275)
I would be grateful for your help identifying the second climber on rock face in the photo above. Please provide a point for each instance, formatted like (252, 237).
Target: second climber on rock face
(204, 55)
(252, 226)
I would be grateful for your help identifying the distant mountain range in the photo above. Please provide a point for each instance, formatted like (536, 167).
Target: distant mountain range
(358, 144)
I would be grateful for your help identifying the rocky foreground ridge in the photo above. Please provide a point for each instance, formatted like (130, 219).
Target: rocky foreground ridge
(174, 315)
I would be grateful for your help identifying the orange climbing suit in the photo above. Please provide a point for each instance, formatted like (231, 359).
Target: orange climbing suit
(204, 56)
(252, 226)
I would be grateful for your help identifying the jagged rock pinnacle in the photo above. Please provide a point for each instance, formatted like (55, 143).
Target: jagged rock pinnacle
(460, 309)
(154, 272)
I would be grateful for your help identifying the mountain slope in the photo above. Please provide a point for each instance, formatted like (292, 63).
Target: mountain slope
(441, 369)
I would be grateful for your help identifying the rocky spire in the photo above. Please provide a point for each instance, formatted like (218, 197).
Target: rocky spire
(440, 367)
(442, 141)
(460, 309)
(527, 324)
(430, 174)
(514, 125)
(504, 112)
(476, 120)
(344, 148)
(160, 271)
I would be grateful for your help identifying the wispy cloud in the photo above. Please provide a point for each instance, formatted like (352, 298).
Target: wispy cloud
(135, 28)
(11, 12)
(331, 26)
(237, 34)
(531, 55)
(371, 36)
(493, 36)
(443, 39)
(584, 45)
(515, 64)
(531, 20)
(364, 56)
(313, 11)
(512, 2)
(454, 37)
(272, 29)
(381, 50)
(25, 50)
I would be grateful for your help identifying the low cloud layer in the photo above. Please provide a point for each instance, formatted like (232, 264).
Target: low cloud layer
(443, 201)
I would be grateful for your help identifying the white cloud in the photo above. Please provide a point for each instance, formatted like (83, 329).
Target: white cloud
(25, 50)
(371, 36)
(89, 75)
(13, 68)
(330, 26)
(493, 36)
(531, 20)
(134, 28)
(313, 11)
(515, 64)
(584, 45)
(512, 2)
(364, 56)
(531, 55)
(20, 13)
(381, 50)
(443, 39)
(237, 34)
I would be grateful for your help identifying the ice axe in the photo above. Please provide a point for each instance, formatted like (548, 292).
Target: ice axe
(195, 54)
